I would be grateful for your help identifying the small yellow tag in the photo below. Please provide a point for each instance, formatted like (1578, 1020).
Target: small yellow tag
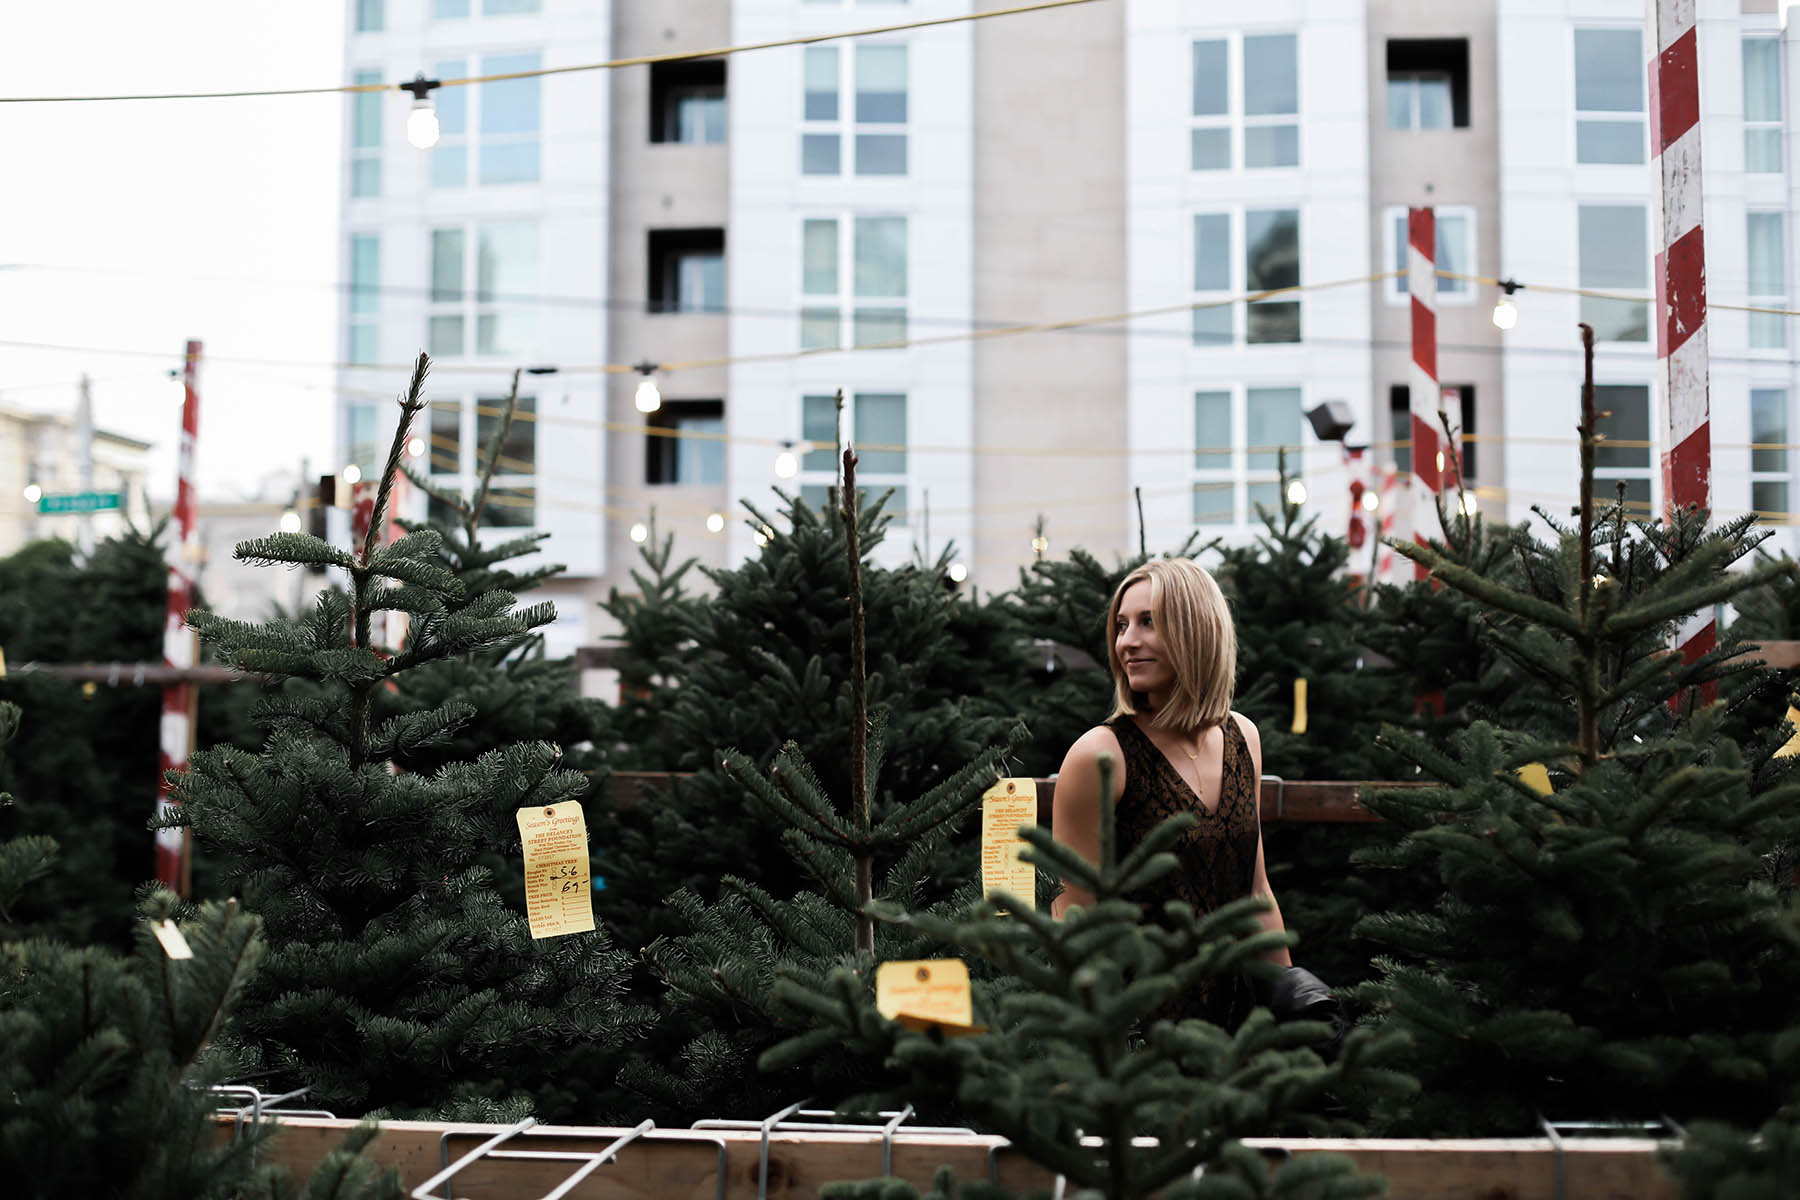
(173, 943)
(1006, 808)
(930, 991)
(2, 664)
(1536, 777)
(1793, 743)
(558, 893)
(1299, 725)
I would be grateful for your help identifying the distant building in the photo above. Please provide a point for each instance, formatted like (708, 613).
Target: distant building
(779, 206)
(246, 591)
(40, 456)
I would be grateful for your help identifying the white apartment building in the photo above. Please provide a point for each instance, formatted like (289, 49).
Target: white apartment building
(756, 226)
(41, 455)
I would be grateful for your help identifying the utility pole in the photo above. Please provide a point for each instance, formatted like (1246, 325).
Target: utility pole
(84, 454)
(179, 649)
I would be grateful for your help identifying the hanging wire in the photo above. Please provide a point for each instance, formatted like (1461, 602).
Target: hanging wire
(608, 65)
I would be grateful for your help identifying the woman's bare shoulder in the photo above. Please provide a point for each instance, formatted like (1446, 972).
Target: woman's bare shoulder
(1247, 727)
(1091, 745)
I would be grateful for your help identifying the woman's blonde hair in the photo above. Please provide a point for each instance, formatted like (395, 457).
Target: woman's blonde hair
(1199, 642)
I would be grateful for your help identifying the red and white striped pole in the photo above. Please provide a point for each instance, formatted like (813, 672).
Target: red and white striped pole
(1680, 316)
(178, 639)
(1423, 395)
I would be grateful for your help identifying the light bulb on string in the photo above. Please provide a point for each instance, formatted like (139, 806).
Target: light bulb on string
(33, 493)
(958, 572)
(421, 119)
(290, 522)
(415, 446)
(351, 474)
(1371, 501)
(715, 522)
(649, 397)
(1296, 493)
(1467, 505)
(640, 533)
(786, 465)
(1506, 313)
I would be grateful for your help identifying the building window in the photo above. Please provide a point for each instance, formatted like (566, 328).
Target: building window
(1455, 253)
(877, 423)
(365, 298)
(1614, 252)
(507, 115)
(1271, 258)
(1609, 96)
(365, 137)
(501, 309)
(692, 451)
(1624, 455)
(872, 294)
(687, 101)
(1762, 105)
(1238, 439)
(1428, 83)
(446, 437)
(362, 446)
(371, 15)
(1769, 454)
(686, 270)
(1267, 102)
(875, 75)
(458, 10)
(1768, 279)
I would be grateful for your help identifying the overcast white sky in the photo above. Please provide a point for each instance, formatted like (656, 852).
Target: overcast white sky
(133, 226)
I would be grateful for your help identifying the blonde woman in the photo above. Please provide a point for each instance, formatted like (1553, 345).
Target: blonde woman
(1177, 747)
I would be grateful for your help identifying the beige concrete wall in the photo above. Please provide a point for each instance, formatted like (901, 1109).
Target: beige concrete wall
(1447, 167)
(657, 186)
(1049, 243)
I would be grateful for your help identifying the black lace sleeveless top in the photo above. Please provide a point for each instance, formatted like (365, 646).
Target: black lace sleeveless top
(1218, 855)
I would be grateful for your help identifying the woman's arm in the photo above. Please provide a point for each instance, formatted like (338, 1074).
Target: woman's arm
(1259, 885)
(1075, 806)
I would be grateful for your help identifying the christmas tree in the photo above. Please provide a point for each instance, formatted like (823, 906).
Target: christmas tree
(1604, 943)
(652, 649)
(103, 1086)
(874, 839)
(396, 978)
(1300, 632)
(1074, 1067)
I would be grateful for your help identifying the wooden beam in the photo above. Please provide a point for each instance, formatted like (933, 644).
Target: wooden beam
(682, 1164)
(1292, 802)
(1782, 655)
(139, 674)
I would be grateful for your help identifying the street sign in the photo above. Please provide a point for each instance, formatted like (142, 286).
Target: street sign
(81, 502)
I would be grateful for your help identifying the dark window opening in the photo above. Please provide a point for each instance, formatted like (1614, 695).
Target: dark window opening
(687, 101)
(686, 454)
(1428, 83)
(687, 270)
(1400, 407)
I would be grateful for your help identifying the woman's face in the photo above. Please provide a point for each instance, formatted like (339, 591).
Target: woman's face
(1139, 646)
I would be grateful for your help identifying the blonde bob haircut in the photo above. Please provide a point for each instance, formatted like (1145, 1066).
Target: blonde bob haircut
(1198, 639)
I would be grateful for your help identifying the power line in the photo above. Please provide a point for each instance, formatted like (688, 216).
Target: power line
(608, 65)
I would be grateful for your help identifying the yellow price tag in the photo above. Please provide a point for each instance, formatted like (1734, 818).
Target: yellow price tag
(2, 664)
(926, 992)
(1793, 743)
(1299, 725)
(1007, 807)
(174, 943)
(558, 893)
(1535, 776)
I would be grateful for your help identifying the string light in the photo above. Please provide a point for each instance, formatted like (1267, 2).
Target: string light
(351, 474)
(1506, 313)
(715, 522)
(1296, 493)
(649, 396)
(1371, 501)
(290, 521)
(415, 446)
(1040, 545)
(421, 119)
(786, 465)
(33, 493)
(958, 572)
(1466, 504)
(640, 533)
